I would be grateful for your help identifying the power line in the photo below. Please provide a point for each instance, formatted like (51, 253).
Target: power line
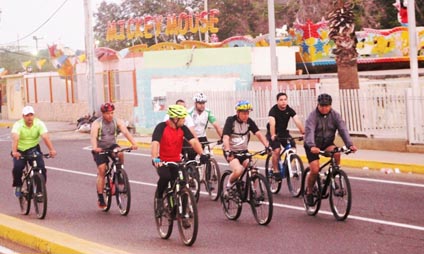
(39, 27)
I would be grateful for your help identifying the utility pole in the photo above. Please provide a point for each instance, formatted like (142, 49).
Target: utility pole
(89, 50)
(272, 46)
(36, 39)
(207, 31)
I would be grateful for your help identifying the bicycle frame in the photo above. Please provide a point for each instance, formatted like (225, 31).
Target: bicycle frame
(244, 187)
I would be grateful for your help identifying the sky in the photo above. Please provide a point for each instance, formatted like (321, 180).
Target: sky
(23, 19)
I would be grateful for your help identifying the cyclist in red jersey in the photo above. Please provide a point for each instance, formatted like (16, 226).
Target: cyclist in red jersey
(167, 142)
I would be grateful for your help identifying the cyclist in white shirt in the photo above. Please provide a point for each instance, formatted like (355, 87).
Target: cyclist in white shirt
(202, 116)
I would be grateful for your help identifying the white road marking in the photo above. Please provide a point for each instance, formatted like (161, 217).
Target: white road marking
(4, 250)
(351, 217)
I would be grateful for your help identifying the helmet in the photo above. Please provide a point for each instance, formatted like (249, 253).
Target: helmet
(324, 99)
(200, 97)
(107, 107)
(177, 111)
(244, 105)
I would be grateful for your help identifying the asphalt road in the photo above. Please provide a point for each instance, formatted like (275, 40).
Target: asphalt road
(385, 218)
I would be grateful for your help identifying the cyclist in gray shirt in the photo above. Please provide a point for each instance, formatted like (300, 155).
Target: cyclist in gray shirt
(320, 132)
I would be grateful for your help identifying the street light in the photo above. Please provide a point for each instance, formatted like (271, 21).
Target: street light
(36, 42)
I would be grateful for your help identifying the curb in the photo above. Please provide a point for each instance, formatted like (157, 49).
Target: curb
(47, 240)
(360, 164)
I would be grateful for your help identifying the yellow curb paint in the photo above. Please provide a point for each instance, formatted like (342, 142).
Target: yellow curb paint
(47, 240)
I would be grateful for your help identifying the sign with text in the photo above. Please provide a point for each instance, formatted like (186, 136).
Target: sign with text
(149, 26)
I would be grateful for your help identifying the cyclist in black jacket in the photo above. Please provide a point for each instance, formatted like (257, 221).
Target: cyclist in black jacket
(320, 132)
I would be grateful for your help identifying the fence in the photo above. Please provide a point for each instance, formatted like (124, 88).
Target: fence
(377, 109)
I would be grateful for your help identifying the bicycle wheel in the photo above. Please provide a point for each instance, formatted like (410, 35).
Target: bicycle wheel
(274, 185)
(25, 199)
(39, 195)
(164, 223)
(312, 210)
(188, 221)
(213, 178)
(261, 199)
(230, 199)
(340, 195)
(193, 180)
(107, 193)
(294, 175)
(123, 192)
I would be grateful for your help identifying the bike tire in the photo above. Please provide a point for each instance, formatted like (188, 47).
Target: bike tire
(188, 220)
(294, 178)
(261, 199)
(25, 199)
(311, 210)
(213, 183)
(275, 186)
(164, 223)
(39, 195)
(340, 196)
(123, 192)
(193, 180)
(231, 203)
(107, 193)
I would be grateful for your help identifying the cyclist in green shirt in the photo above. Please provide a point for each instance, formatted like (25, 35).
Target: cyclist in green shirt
(26, 134)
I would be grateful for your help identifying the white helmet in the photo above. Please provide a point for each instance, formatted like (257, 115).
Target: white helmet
(200, 97)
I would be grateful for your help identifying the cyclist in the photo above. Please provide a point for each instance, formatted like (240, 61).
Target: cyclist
(320, 131)
(104, 131)
(236, 136)
(26, 134)
(202, 116)
(167, 142)
(277, 133)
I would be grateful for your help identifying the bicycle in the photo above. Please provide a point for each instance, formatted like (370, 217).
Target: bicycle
(178, 204)
(251, 187)
(33, 186)
(290, 167)
(193, 178)
(209, 173)
(334, 184)
(117, 182)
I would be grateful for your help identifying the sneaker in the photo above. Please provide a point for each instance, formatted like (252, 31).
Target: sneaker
(277, 176)
(159, 207)
(39, 197)
(310, 199)
(101, 203)
(186, 223)
(18, 191)
(210, 187)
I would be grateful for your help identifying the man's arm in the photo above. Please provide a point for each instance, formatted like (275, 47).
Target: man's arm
(272, 132)
(49, 144)
(299, 124)
(94, 133)
(218, 129)
(127, 134)
(262, 138)
(15, 140)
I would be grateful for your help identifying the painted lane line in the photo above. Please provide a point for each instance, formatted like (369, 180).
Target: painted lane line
(351, 217)
(4, 250)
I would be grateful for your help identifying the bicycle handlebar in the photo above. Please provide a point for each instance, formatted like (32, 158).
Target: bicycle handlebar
(300, 138)
(34, 155)
(343, 149)
(116, 150)
(250, 155)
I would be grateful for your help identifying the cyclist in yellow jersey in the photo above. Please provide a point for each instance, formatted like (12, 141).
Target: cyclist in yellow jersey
(26, 134)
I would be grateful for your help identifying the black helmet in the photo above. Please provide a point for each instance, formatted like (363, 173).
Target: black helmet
(324, 99)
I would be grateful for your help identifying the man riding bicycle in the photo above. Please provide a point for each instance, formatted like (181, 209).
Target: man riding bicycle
(320, 130)
(236, 136)
(104, 131)
(26, 135)
(277, 134)
(202, 116)
(167, 142)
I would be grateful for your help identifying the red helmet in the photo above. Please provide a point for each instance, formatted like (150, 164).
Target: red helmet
(107, 107)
